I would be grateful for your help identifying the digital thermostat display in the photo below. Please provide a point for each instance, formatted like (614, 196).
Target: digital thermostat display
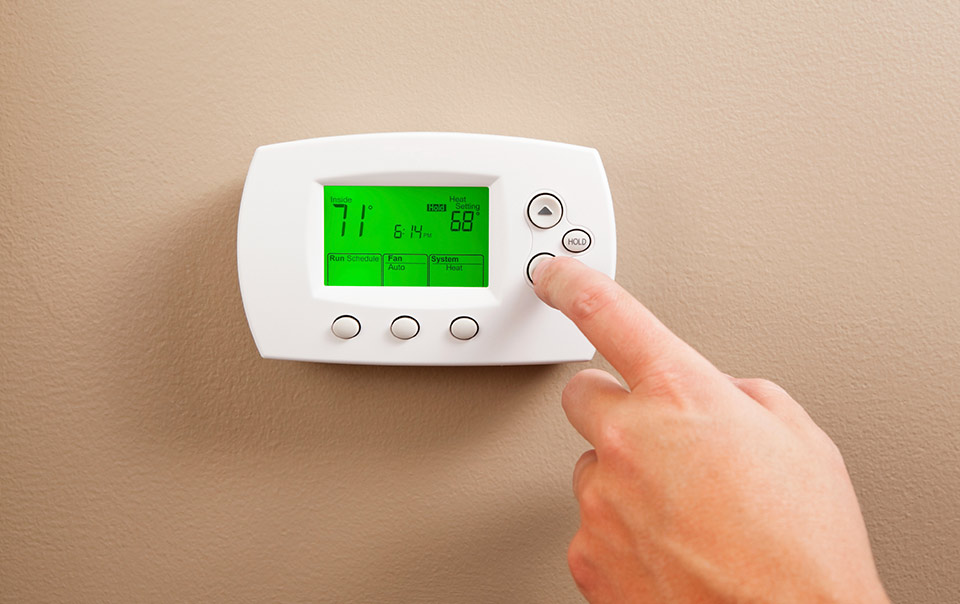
(383, 236)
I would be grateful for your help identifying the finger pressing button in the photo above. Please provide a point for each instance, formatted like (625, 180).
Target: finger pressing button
(532, 265)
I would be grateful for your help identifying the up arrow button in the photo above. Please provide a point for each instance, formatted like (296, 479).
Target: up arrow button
(544, 211)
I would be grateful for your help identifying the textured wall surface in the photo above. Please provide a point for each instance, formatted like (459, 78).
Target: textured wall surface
(786, 183)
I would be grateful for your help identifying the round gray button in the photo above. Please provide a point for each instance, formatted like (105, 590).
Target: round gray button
(576, 240)
(532, 265)
(544, 211)
(464, 328)
(345, 327)
(404, 327)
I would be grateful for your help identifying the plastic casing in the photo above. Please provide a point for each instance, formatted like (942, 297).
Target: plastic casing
(280, 249)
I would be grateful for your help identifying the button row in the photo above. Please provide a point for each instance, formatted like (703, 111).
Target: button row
(404, 327)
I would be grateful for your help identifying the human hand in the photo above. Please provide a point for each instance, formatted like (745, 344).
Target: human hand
(700, 487)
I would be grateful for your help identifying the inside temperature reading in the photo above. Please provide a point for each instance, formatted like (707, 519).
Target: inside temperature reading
(406, 236)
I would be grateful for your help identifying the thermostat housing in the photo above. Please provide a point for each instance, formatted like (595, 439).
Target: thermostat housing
(417, 248)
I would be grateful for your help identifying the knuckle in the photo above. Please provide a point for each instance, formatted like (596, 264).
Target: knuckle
(593, 506)
(765, 385)
(613, 440)
(588, 375)
(567, 397)
(580, 470)
(668, 382)
(581, 565)
(591, 300)
(575, 385)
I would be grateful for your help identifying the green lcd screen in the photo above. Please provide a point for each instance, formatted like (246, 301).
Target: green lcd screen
(406, 236)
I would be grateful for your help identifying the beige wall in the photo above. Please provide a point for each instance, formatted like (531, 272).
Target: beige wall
(786, 183)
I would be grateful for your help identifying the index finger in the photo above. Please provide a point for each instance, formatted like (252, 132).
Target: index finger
(635, 342)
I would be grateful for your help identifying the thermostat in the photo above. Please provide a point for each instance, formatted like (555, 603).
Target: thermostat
(417, 248)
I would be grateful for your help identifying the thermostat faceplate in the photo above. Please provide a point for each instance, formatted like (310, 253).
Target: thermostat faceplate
(416, 248)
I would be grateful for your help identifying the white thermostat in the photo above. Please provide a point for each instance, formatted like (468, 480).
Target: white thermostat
(417, 248)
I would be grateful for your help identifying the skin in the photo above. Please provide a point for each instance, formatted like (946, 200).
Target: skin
(701, 487)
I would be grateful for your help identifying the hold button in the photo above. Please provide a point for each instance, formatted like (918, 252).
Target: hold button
(576, 240)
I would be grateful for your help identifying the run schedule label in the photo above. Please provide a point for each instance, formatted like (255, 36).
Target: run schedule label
(381, 236)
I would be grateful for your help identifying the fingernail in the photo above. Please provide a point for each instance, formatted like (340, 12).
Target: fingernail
(540, 267)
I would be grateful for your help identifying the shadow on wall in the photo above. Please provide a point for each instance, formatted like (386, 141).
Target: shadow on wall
(200, 383)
